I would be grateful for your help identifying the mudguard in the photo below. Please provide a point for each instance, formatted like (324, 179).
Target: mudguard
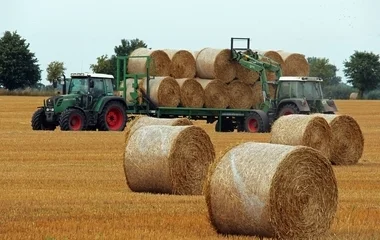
(300, 103)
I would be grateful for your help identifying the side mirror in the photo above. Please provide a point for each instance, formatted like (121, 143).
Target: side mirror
(92, 84)
(55, 84)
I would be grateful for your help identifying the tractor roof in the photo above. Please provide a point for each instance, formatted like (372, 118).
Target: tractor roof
(304, 79)
(92, 75)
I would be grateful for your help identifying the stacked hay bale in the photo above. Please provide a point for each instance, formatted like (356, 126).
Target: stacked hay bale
(168, 159)
(182, 63)
(192, 93)
(159, 65)
(272, 190)
(295, 64)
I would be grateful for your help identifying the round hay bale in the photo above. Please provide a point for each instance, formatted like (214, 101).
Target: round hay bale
(353, 96)
(246, 75)
(306, 130)
(275, 56)
(347, 143)
(240, 95)
(271, 190)
(182, 63)
(192, 93)
(164, 91)
(257, 95)
(295, 64)
(159, 66)
(216, 93)
(215, 64)
(143, 120)
(168, 159)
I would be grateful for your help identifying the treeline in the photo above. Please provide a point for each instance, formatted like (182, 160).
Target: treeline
(19, 69)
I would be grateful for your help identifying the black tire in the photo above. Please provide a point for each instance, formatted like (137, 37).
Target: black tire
(38, 121)
(113, 117)
(288, 109)
(72, 119)
(254, 123)
(227, 126)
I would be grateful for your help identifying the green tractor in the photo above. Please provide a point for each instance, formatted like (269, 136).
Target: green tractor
(88, 104)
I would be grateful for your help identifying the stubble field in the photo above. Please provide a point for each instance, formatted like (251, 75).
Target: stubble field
(71, 185)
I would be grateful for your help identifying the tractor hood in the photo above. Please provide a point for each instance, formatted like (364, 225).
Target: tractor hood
(60, 103)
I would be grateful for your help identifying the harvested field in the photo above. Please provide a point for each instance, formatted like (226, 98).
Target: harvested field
(71, 185)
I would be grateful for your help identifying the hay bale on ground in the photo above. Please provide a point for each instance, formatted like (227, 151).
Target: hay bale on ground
(192, 93)
(353, 96)
(347, 139)
(306, 130)
(182, 63)
(240, 95)
(275, 56)
(159, 66)
(216, 93)
(295, 64)
(163, 91)
(215, 64)
(167, 159)
(270, 190)
(143, 120)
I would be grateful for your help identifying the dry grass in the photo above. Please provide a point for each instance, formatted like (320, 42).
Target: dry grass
(68, 185)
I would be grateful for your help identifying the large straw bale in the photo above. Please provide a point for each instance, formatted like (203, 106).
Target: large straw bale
(216, 93)
(182, 63)
(163, 91)
(295, 64)
(246, 75)
(215, 64)
(257, 94)
(272, 190)
(306, 130)
(142, 120)
(275, 56)
(192, 93)
(159, 65)
(347, 139)
(353, 96)
(168, 159)
(240, 95)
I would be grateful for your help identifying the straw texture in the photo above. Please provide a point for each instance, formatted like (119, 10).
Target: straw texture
(240, 95)
(192, 93)
(215, 64)
(246, 75)
(347, 139)
(295, 64)
(216, 93)
(275, 56)
(159, 66)
(164, 91)
(307, 130)
(182, 63)
(270, 190)
(168, 159)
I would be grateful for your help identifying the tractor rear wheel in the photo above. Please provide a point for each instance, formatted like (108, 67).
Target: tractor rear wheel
(288, 109)
(113, 117)
(39, 121)
(72, 119)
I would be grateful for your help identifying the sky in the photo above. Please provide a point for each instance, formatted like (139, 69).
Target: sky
(76, 32)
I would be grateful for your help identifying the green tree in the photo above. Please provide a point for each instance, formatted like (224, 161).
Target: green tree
(363, 71)
(320, 67)
(55, 70)
(103, 65)
(18, 66)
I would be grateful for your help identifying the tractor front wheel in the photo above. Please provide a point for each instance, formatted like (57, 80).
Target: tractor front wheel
(39, 121)
(113, 117)
(72, 120)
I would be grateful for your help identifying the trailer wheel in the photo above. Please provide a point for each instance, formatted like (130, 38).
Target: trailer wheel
(254, 123)
(113, 117)
(39, 121)
(72, 119)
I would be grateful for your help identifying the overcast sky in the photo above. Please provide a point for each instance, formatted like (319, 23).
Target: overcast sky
(76, 32)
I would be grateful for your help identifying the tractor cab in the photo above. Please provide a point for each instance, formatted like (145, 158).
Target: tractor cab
(302, 95)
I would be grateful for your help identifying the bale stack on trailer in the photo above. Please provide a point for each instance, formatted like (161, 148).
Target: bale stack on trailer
(295, 64)
(182, 63)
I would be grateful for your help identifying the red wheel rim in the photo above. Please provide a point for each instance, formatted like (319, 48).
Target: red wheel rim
(253, 125)
(288, 113)
(75, 122)
(114, 118)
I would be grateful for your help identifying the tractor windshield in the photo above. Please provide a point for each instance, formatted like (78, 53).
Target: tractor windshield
(79, 85)
(300, 89)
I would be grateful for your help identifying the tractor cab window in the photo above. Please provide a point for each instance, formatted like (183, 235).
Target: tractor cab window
(312, 90)
(79, 85)
(109, 87)
(98, 86)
